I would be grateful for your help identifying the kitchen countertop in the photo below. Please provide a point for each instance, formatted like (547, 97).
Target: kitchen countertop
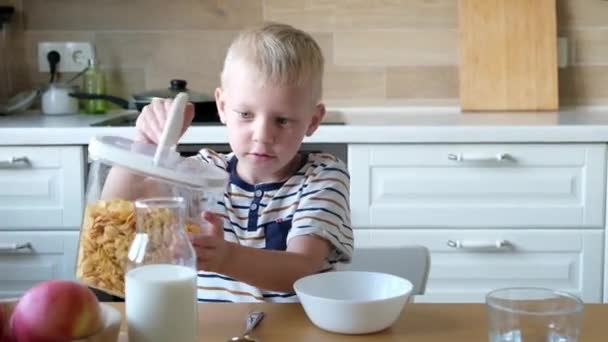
(347, 125)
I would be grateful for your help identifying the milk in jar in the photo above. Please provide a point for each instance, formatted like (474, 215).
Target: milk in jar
(161, 303)
(160, 284)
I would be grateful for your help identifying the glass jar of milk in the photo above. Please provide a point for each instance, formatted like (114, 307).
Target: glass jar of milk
(160, 282)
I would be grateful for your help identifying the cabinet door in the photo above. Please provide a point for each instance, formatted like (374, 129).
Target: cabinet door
(478, 185)
(467, 264)
(27, 258)
(41, 187)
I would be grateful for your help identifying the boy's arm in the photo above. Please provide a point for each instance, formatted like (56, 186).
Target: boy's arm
(276, 270)
(121, 183)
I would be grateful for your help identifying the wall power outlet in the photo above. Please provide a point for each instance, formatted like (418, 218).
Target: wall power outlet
(74, 56)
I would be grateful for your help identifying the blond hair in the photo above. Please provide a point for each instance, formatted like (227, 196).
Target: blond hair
(281, 54)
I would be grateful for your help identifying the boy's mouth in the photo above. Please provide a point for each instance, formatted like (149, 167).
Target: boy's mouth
(260, 155)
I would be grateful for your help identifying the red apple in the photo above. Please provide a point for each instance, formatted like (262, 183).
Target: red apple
(56, 311)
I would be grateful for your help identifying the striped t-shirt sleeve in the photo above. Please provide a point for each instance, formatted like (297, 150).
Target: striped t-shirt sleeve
(324, 209)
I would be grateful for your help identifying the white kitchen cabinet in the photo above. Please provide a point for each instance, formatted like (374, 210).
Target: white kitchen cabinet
(522, 214)
(478, 185)
(29, 257)
(569, 260)
(41, 205)
(41, 187)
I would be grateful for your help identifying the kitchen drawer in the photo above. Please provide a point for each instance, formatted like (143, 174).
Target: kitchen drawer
(51, 255)
(43, 187)
(570, 260)
(478, 185)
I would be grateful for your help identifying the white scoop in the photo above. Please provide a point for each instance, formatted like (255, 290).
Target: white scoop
(173, 126)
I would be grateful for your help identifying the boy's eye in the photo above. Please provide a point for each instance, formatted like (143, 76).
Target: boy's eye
(282, 121)
(244, 115)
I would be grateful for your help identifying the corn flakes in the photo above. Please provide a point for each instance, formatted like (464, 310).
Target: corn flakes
(107, 232)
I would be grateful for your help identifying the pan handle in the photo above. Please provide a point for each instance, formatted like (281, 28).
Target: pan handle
(114, 99)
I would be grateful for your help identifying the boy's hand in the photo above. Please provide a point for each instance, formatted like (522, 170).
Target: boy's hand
(210, 246)
(151, 121)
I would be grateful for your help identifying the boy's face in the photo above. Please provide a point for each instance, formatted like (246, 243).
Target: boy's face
(266, 124)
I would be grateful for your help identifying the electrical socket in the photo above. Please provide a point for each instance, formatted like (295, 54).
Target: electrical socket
(74, 55)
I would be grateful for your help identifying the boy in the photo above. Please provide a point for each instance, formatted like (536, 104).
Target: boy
(285, 215)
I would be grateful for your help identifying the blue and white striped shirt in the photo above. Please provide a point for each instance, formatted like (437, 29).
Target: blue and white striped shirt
(314, 200)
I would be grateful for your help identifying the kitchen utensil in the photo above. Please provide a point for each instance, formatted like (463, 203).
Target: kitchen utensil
(20, 102)
(204, 105)
(173, 126)
(508, 55)
(353, 302)
(152, 171)
(56, 99)
(253, 319)
(533, 314)
(175, 87)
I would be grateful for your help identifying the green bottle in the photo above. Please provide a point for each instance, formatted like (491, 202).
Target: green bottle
(94, 83)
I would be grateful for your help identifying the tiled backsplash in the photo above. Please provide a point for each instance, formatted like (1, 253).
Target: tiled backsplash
(378, 52)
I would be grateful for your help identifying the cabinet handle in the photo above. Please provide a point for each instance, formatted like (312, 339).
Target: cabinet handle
(14, 161)
(497, 244)
(498, 157)
(8, 247)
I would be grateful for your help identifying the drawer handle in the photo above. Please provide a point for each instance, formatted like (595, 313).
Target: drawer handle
(498, 157)
(15, 161)
(498, 244)
(8, 247)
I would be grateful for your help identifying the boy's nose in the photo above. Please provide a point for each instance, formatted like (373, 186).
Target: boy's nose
(263, 131)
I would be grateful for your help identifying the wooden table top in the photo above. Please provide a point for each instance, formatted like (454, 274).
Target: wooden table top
(418, 322)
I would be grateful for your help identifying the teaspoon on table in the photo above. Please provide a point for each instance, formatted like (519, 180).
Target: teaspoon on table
(252, 321)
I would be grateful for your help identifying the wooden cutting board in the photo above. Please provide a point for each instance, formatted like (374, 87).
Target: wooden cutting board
(508, 55)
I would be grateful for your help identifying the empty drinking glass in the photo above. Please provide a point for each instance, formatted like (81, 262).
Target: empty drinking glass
(528, 314)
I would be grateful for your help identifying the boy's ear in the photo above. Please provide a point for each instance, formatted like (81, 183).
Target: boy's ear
(220, 103)
(316, 119)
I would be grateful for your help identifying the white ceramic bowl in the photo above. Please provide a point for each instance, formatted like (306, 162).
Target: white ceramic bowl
(353, 302)
(112, 319)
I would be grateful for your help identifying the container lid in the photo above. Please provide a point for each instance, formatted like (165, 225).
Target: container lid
(172, 168)
(160, 161)
(175, 87)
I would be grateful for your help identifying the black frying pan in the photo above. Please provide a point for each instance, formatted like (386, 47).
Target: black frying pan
(204, 106)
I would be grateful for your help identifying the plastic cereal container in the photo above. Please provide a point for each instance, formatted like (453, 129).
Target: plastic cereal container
(122, 171)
